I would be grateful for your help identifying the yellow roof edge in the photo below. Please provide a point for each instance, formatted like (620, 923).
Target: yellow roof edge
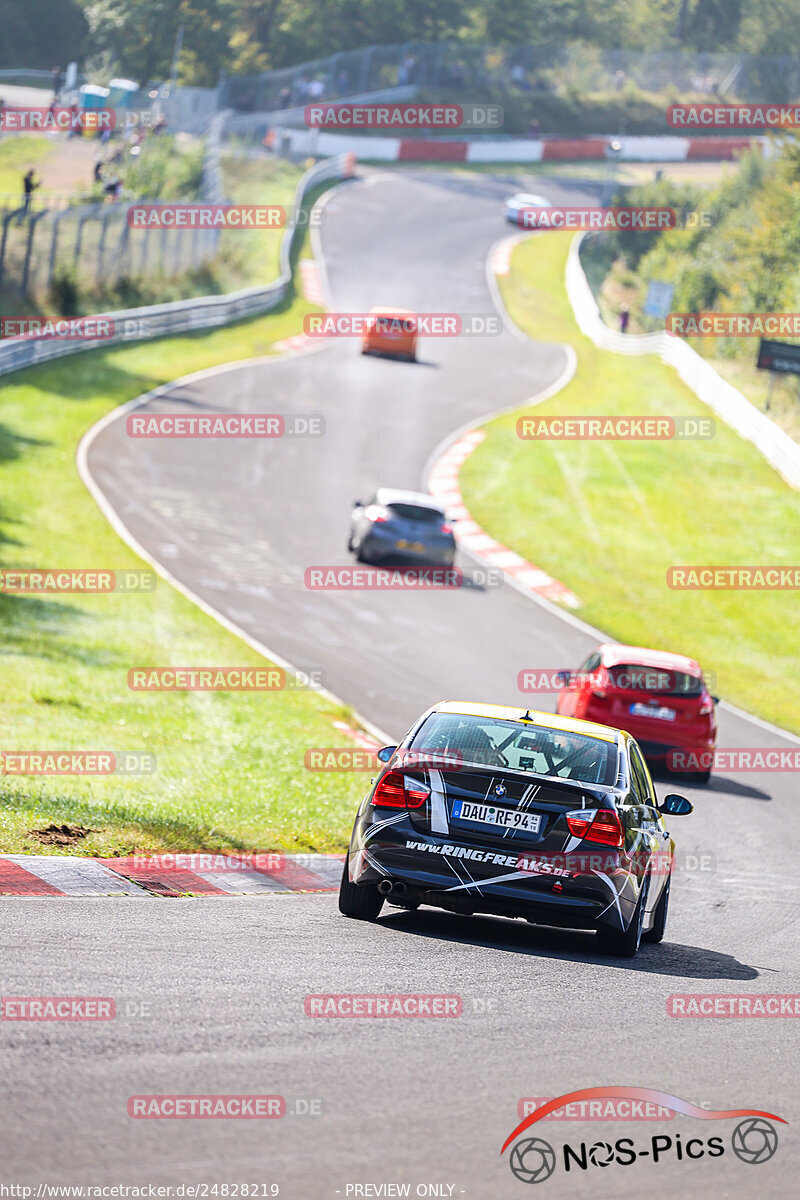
(505, 712)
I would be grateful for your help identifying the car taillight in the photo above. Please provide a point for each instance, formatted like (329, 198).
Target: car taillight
(707, 706)
(600, 825)
(377, 514)
(398, 791)
(447, 528)
(598, 684)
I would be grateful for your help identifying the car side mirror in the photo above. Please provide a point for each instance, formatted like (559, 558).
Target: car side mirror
(715, 699)
(676, 806)
(386, 752)
(358, 504)
(564, 678)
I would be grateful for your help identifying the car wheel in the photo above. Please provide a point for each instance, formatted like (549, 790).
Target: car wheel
(350, 545)
(624, 943)
(360, 555)
(701, 778)
(362, 901)
(659, 917)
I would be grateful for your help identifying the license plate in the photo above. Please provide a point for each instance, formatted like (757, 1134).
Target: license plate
(652, 710)
(419, 547)
(506, 818)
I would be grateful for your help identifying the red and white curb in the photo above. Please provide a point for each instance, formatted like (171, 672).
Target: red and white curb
(311, 283)
(443, 484)
(634, 148)
(500, 263)
(169, 875)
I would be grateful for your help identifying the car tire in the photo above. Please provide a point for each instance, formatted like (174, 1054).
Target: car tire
(350, 545)
(624, 943)
(701, 778)
(360, 555)
(656, 934)
(360, 901)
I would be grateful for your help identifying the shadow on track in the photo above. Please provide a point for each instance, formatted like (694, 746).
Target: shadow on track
(718, 784)
(497, 933)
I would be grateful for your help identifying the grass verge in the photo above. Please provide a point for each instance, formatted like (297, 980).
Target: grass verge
(230, 772)
(609, 518)
(16, 155)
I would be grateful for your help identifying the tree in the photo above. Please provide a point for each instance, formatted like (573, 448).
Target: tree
(41, 33)
(138, 36)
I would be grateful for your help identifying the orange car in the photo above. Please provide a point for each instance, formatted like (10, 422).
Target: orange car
(391, 331)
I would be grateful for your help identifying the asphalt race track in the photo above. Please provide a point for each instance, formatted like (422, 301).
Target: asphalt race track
(423, 1102)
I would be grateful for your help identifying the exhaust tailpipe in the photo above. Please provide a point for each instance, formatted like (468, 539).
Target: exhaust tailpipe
(385, 886)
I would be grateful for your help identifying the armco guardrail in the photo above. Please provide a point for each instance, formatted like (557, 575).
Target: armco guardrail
(183, 316)
(729, 403)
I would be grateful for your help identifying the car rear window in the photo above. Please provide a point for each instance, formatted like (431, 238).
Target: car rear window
(520, 746)
(634, 677)
(416, 512)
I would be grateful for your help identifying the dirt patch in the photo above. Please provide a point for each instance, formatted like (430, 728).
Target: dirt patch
(59, 835)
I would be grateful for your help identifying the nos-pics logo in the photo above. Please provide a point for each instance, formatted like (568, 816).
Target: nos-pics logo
(533, 1160)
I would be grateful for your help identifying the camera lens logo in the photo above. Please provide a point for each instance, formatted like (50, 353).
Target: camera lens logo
(601, 1154)
(754, 1140)
(533, 1160)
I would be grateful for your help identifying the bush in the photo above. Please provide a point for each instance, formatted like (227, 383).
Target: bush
(65, 292)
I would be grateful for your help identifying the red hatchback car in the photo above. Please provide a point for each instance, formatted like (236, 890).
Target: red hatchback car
(660, 699)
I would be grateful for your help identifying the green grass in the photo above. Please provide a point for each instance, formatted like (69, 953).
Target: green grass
(609, 518)
(16, 155)
(230, 767)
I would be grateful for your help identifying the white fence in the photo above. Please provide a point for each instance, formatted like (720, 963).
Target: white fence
(729, 403)
(182, 316)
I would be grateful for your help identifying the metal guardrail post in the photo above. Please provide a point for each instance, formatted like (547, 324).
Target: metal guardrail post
(101, 247)
(6, 222)
(54, 245)
(87, 213)
(32, 223)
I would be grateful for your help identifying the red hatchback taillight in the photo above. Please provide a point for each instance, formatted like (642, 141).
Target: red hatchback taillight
(399, 791)
(601, 826)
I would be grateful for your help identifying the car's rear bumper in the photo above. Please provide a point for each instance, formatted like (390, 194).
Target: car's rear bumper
(378, 546)
(451, 874)
(658, 739)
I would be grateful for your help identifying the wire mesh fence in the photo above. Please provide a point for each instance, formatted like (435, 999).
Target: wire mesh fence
(485, 69)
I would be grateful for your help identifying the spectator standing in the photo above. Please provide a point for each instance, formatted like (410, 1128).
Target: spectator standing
(29, 185)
